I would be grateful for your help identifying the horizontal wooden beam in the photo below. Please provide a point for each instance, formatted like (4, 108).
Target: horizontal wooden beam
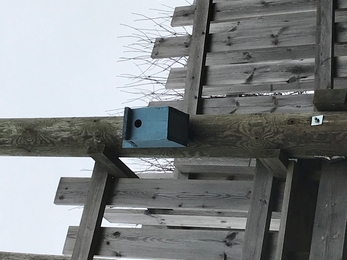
(173, 194)
(23, 256)
(248, 136)
(236, 10)
(151, 218)
(166, 243)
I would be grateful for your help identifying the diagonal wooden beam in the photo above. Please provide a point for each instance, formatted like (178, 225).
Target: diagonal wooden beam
(89, 230)
(277, 165)
(197, 57)
(110, 162)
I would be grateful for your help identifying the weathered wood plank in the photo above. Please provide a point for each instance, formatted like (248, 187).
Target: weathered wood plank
(22, 256)
(247, 136)
(108, 160)
(166, 243)
(325, 44)
(167, 219)
(277, 165)
(236, 10)
(146, 193)
(259, 215)
(197, 57)
(257, 38)
(89, 230)
(328, 239)
(290, 71)
(249, 105)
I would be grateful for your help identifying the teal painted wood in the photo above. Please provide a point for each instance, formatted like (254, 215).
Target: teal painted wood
(153, 127)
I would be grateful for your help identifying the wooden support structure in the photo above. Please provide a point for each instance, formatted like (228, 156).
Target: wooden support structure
(89, 230)
(277, 165)
(259, 215)
(325, 44)
(329, 233)
(248, 136)
(21, 256)
(197, 57)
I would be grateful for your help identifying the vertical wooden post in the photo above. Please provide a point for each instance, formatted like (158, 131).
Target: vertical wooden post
(298, 209)
(328, 239)
(325, 44)
(88, 231)
(259, 214)
(197, 57)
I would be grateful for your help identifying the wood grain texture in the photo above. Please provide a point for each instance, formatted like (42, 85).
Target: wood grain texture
(259, 215)
(328, 239)
(89, 230)
(325, 44)
(197, 57)
(249, 105)
(141, 193)
(166, 219)
(247, 136)
(236, 10)
(22, 256)
(255, 38)
(288, 71)
(166, 243)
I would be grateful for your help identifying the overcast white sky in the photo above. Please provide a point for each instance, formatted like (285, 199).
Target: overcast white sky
(58, 58)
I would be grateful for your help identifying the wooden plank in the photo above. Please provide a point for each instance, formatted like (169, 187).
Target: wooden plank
(197, 57)
(249, 105)
(108, 160)
(341, 15)
(341, 29)
(328, 238)
(277, 165)
(22, 256)
(245, 40)
(289, 71)
(259, 215)
(166, 243)
(89, 230)
(166, 219)
(236, 10)
(236, 136)
(330, 99)
(175, 193)
(325, 44)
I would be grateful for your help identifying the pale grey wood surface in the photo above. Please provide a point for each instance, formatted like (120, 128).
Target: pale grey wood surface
(198, 194)
(197, 55)
(236, 10)
(23, 256)
(259, 214)
(166, 243)
(328, 239)
(88, 235)
(325, 44)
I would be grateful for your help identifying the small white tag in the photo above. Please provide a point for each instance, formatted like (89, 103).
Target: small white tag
(317, 120)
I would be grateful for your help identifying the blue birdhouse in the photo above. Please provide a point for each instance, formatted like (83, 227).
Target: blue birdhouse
(155, 127)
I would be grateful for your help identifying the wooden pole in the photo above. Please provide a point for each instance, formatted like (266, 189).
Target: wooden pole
(249, 136)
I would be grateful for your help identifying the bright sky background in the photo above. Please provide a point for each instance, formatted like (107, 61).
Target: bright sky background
(57, 59)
